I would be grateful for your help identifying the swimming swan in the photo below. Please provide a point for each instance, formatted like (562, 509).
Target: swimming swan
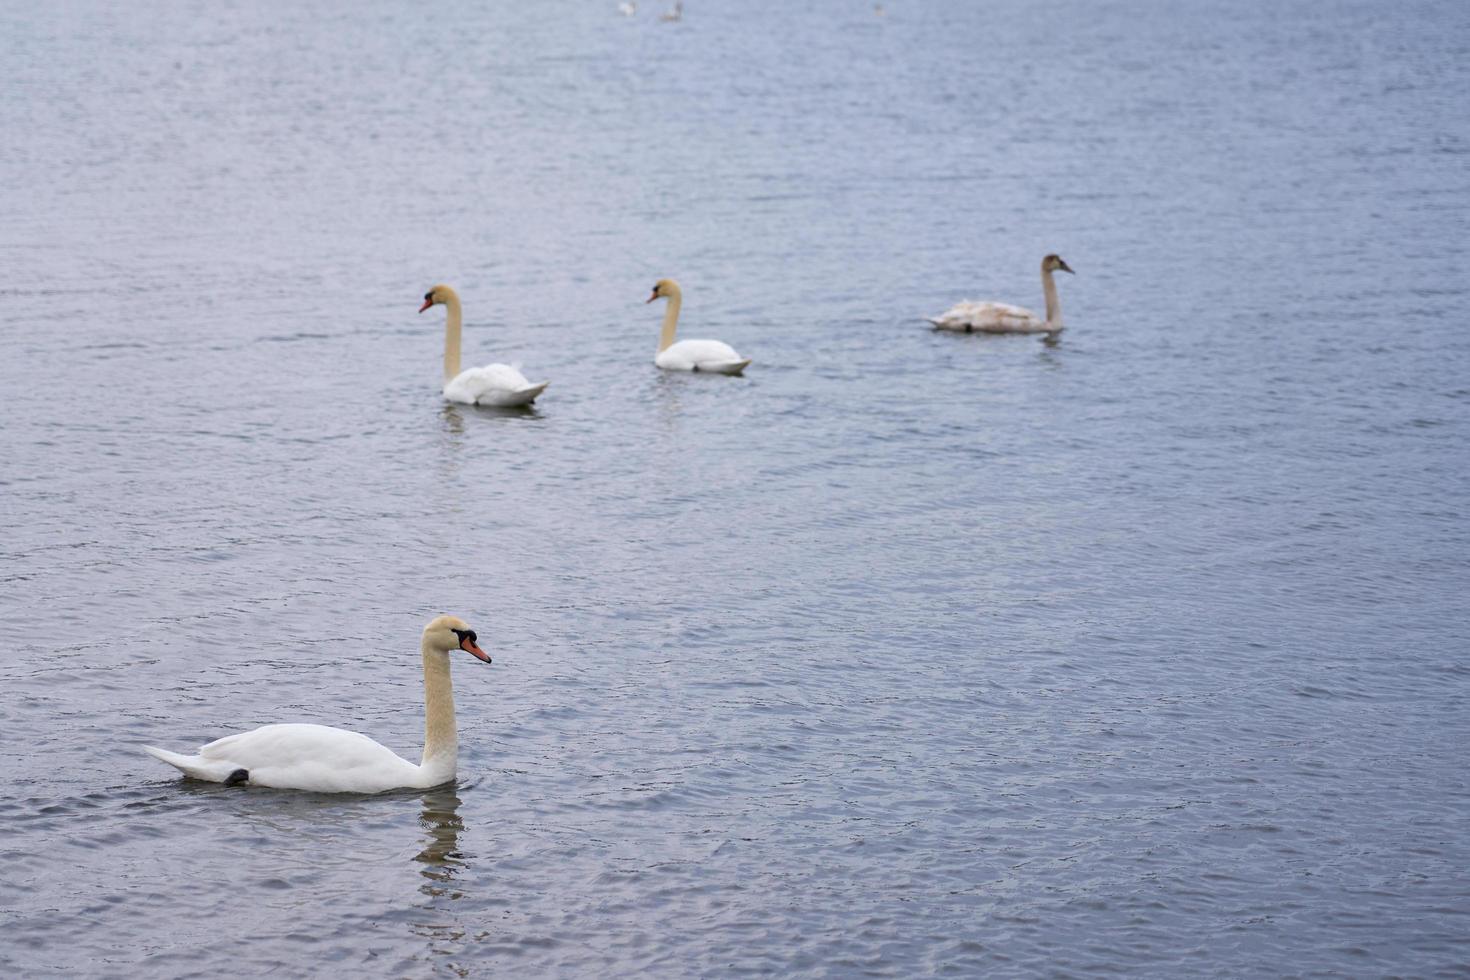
(690, 355)
(334, 760)
(1004, 318)
(497, 385)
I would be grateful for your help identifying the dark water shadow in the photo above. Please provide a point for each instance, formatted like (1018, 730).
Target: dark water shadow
(456, 416)
(670, 386)
(263, 798)
(679, 380)
(997, 336)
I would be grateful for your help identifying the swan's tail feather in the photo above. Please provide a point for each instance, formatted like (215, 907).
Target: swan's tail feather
(724, 367)
(511, 397)
(189, 765)
(522, 396)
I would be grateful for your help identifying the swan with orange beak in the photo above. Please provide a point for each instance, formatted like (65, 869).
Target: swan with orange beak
(334, 760)
(494, 385)
(710, 356)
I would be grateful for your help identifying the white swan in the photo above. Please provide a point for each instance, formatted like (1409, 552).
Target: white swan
(628, 8)
(690, 355)
(1004, 318)
(673, 15)
(498, 385)
(334, 760)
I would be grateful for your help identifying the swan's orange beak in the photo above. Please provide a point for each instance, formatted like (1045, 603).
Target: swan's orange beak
(469, 645)
(427, 303)
(651, 298)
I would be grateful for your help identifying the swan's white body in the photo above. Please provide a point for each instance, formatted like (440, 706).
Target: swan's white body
(334, 760)
(971, 317)
(494, 385)
(712, 356)
(311, 757)
(701, 355)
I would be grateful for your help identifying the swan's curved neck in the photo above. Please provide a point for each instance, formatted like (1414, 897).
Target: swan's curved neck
(1053, 305)
(671, 322)
(441, 739)
(451, 337)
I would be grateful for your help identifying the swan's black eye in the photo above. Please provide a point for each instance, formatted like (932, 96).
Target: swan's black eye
(429, 297)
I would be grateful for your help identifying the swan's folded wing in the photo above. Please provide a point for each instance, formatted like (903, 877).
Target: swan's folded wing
(1000, 310)
(709, 352)
(485, 383)
(960, 313)
(957, 315)
(314, 757)
(278, 745)
(987, 316)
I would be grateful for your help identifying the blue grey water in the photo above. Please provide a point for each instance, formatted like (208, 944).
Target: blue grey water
(1143, 654)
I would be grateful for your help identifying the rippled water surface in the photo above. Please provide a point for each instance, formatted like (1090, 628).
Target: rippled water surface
(1145, 653)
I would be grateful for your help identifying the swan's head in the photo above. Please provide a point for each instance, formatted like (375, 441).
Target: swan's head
(451, 633)
(1054, 263)
(437, 295)
(664, 289)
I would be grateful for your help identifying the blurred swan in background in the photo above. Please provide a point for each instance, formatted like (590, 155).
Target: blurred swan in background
(713, 356)
(628, 8)
(970, 317)
(495, 385)
(334, 760)
(676, 14)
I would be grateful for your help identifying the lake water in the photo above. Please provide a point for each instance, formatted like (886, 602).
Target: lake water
(1143, 654)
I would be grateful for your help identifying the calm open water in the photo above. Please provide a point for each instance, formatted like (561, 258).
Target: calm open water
(1145, 654)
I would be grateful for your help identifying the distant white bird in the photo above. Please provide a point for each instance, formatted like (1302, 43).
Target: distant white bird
(628, 8)
(497, 385)
(713, 356)
(676, 14)
(969, 317)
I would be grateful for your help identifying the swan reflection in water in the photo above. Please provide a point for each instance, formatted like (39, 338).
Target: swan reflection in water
(453, 423)
(455, 417)
(440, 920)
(441, 858)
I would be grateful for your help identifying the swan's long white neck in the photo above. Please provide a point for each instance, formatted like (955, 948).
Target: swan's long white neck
(671, 321)
(451, 336)
(1053, 305)
(441, 739)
